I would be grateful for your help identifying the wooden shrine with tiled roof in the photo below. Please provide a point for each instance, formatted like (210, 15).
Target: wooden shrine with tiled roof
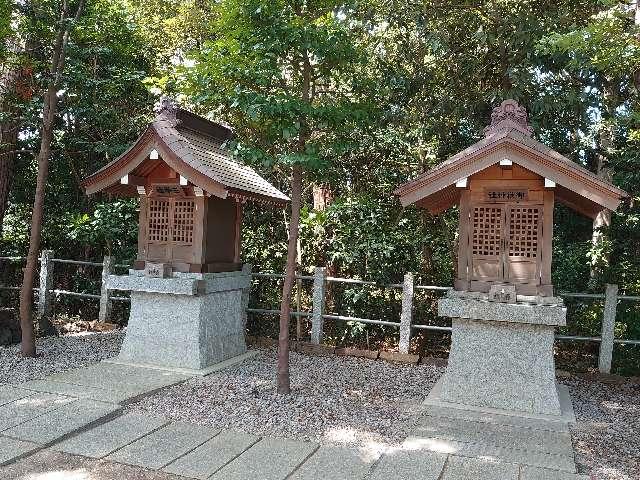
(191, 192)
(506, 185)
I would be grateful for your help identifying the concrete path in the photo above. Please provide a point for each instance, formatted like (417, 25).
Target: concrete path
(75, 419)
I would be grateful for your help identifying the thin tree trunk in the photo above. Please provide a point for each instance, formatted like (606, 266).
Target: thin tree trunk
(283, 381)
(28, 346)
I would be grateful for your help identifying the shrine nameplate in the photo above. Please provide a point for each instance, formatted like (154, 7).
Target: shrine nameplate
(506, 194)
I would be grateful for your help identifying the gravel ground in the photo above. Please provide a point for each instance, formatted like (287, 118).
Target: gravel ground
(57, 354)
(334, 399)
(606, 436)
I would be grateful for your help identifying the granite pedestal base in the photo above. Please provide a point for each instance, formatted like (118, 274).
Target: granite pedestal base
(188, 321)
(501, 355)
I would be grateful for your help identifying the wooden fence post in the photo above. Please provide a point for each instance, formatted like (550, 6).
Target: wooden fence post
(608, 326)
(317, 322)
(104, 315)
(406, 314)
(46, 284)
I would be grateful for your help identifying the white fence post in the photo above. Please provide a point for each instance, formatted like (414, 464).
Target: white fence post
(46, 284)
(104, 315)
(317, 322)
(406, 314)
(608, 326)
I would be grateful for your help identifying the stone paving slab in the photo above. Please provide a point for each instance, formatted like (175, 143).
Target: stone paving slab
(334, 463)
(558, 443)
(84, 391)
(9, 393)
(111, 376)
(211, 456)
(11, 449)
(27, 408)
(496, 418)
(163, 446)
(460, 468)
(509, 455)
(409, 465)
(108, 437)
(61, 421)
(269, 459)
(534, 473)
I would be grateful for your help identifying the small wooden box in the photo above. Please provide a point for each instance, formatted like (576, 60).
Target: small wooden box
(157, 270)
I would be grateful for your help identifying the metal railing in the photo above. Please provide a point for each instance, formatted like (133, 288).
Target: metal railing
(46, 295)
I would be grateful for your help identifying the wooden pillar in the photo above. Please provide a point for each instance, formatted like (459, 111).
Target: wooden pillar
(462, 280)
(238, 232)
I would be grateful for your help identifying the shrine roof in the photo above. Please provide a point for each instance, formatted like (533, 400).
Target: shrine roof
(193, 147)
(509, 137)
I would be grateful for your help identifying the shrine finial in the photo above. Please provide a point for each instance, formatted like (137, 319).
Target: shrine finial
(169, 108)
(509, 115)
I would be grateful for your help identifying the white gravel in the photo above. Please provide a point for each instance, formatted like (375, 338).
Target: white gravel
(334, 399)
(606, 437)
(57, 354)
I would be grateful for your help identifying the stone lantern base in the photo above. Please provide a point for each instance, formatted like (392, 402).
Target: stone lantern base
(501, 354)
(188, 321)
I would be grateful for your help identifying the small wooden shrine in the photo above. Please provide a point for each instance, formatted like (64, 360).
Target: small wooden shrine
(506, 186)
(191, 192)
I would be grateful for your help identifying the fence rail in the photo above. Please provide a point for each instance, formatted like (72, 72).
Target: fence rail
(46, 295)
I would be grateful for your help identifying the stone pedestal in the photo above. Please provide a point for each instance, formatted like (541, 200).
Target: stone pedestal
(502, 353)
(189, 321)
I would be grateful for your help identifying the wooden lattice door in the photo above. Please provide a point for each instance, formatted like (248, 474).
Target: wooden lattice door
(505, 242)
(170, 229)
(523, 243)
(486, 240)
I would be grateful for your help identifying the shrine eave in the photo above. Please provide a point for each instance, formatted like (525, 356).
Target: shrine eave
(194, 148)
(576, 186)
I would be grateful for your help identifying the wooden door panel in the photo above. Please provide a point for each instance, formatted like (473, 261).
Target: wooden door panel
(523, 243)
(485, 240)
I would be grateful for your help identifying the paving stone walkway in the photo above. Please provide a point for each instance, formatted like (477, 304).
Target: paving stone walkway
(78, 414)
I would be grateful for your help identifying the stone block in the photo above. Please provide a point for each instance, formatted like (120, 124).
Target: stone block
(163, 446)
(334, 463)
(358, 353)
(397, 357)
(12, 449)
(172, 286)
(212, 455)
(269, 459)
(476, 309)
(61, 421)
(435, 361)
(9, 327)
(463, 468)
(501, 365)
(409, 465)
(108, 437)
(190, 331)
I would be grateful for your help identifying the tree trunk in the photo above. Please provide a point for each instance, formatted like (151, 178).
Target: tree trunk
(283, 381)
(8, 146)
(28, 346)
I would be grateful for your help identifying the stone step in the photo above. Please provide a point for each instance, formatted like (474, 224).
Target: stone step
(84, 391)
(409, 465)
(111, 436)
(534, 473)
(62, 421)
(212, 455)
(269, 459)
(496, 418)
(557, 443)
(334, 463)
(461, 468)
(163, 446)
(504, 454)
